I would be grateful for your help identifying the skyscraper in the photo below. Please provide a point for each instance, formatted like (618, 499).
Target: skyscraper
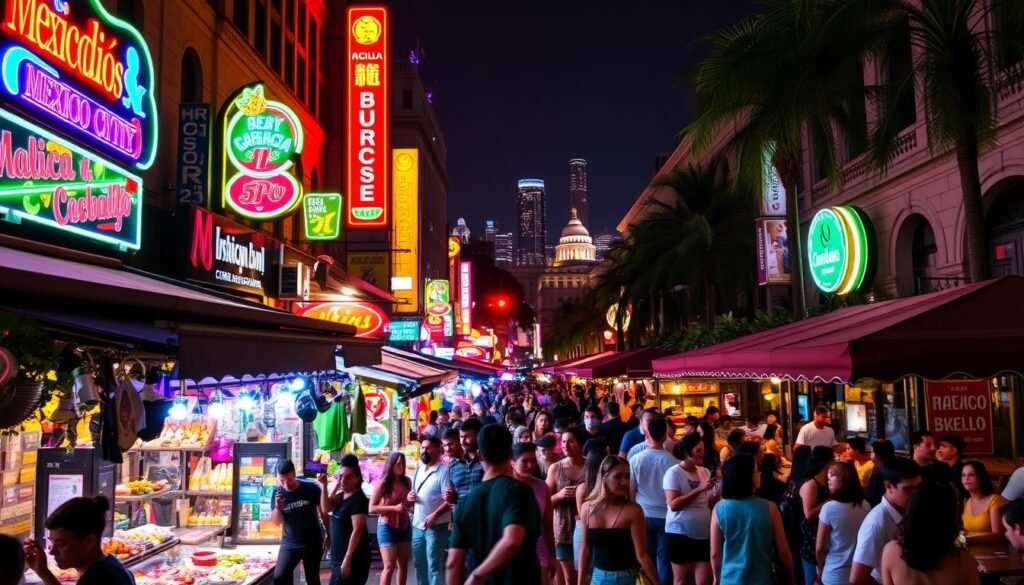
(532, 214)
(503, 248)
(603, 242)
(578, 189)
(490, 229)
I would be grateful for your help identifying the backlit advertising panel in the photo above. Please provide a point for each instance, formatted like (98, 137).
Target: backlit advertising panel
(405, 237)
(773, 266)
(466, 296)
(366, 118)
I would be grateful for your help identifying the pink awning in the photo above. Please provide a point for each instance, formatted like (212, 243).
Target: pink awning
(559, 367)
(635, 363)
(975, 330)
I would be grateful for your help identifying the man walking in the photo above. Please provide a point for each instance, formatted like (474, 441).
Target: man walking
(430, 516)
(646, 474)
(498, 521)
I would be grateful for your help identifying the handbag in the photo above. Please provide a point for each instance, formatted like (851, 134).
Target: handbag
(642, 578)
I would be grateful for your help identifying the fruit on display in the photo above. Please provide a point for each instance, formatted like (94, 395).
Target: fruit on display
(229, 568)
(139, 487)
(218, 479)
(210, 512)
(128, 543)
(194, 433)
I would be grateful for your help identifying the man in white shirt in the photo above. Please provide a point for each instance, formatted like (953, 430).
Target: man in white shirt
(646, 472)
(754, 426)
(817, 433)
(901, 478)
(430, 516)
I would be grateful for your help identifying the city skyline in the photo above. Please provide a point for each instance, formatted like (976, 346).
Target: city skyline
(531, 215)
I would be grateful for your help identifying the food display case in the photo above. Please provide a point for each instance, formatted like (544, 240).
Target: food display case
(255, 475)
(187, 565)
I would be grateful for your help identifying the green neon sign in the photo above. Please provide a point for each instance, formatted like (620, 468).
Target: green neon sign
(840, 249)
(322, 212)
(51, 181)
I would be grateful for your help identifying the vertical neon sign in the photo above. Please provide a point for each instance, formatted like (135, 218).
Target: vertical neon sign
(466, 296)
(367, 150)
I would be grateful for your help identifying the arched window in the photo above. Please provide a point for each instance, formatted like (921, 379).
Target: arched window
(191, 77)
(916, 254)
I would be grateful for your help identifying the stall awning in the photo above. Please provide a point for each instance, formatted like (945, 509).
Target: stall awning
(573, 368)
(635, 363)
(551, 368)
(975, 330)
(460, 365)
(213, 335)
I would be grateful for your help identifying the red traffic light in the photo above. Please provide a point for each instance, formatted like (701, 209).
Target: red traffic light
(502, 302)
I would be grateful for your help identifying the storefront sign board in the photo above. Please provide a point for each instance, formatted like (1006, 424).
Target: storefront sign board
(404, 331)
(224, 253)
(964, 408)
(322, 215)
(368, 319)
(369, 266)
(193, 153)
(840, 249)
(405, 237)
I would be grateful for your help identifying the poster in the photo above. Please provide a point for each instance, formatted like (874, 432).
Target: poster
(369, 266)
(773, 264)
(62, 488)
(962, 407)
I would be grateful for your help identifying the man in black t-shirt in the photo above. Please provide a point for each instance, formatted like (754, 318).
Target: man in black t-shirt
(75, 530)
(499, 518)
(296, 506)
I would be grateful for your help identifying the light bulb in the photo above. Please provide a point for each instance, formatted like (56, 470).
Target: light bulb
(216, 409)
(775, 380)
(179, 411)
(245, 402)
(297, 384)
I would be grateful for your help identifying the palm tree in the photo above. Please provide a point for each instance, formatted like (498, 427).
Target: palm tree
(955, 67)
(792, 67)
(701, 240)
(575, 324)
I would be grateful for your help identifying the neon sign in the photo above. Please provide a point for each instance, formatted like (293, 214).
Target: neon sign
(262, 138)
(322, 212)
(439, 309)
(368, 319)
(840, 249)
(366, 118)
(405, 237)
(466, 296)
(84, 73)
(51, 181)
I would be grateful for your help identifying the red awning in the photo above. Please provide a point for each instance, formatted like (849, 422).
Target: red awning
(635, 363)
(552, 368)
(573, 368)
(975, 330)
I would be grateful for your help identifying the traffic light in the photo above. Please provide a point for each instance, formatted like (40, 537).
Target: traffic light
(499, 303)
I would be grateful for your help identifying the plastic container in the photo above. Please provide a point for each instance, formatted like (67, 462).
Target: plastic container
(204, 558)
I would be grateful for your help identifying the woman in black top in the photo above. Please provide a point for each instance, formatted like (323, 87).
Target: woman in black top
(350, 541)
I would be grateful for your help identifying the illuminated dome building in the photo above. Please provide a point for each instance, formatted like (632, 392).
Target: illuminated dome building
(575, 245)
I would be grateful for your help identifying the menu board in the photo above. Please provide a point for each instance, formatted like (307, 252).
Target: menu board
(255, 466)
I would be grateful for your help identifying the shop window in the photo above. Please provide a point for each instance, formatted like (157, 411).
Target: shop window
(240, 16)
(191, 77)
(895, 414)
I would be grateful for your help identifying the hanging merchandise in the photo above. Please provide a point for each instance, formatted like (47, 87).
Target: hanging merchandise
(131, 414)
(155, 405)
(108, 435)
(332, 428)
(305, 407)
(358, 426)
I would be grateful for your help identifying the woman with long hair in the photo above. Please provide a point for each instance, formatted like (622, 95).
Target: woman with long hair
(563, 477)
(926, 551)
(350, 541)
(688, 523)
(591, 475)
(772, 488)
(614, 548)
(813, 495)
(712, 461)
(982, 515)
(541, 424)
(746, 531)
(394, 530)
(838, 524)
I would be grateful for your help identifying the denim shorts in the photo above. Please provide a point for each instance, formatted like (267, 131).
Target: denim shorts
(388, 535)
(602, 577)
(563, 552)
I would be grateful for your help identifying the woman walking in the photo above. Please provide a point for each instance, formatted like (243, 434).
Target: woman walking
(838, 524)
(813, 495)
(563, 477)
(688, 523)
(348, 507)
(746, 531)
(394, 531)
(614, 548)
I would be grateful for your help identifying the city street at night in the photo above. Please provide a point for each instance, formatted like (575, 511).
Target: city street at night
(395, 292)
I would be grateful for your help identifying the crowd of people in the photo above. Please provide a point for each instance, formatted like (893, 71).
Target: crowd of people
(558, 488)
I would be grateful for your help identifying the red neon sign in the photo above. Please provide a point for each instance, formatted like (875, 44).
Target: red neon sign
(366, 118)
(368, 319)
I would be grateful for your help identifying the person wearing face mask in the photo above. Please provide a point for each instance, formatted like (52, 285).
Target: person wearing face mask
(592, 422)
(430, 516)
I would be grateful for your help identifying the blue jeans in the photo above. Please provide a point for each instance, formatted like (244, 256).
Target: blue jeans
(657, 548)
(428, 554)
(602, 577)
(810, 571)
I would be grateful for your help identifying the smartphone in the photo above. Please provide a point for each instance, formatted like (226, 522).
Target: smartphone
(313, 468)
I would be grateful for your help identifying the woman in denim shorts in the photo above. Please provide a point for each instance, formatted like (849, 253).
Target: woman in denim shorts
(394, 530)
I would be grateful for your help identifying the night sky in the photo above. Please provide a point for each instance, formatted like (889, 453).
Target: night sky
(522, 87)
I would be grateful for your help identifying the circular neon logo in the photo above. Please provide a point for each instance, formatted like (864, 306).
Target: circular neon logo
(839, 249)
(366, 30)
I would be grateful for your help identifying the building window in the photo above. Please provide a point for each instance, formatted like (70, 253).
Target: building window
(300, 30)
(289, 63)
(289, 14)
(191, 77)
(1011, 31)
(406, 99)
(275, 46)
(241, 16)
(300, 83)
(899, 67)
(260, 34)
(856, 137)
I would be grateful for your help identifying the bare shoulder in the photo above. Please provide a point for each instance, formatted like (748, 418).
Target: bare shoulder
(892, 554)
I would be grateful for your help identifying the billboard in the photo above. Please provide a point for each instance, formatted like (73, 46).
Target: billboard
(773, 265)
(369, 266)
(262, 141)
(405, 237)
(964, 408)
(321, 213)
(367, 66)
